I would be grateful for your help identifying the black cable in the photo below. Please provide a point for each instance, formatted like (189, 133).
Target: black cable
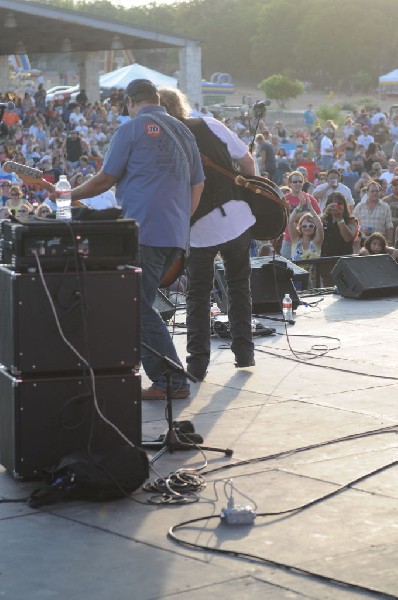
(269, 562)
(291, 512)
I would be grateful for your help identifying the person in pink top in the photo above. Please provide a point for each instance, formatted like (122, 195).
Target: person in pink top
(295, 182)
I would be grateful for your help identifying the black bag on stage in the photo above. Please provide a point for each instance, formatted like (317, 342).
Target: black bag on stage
(94, 478)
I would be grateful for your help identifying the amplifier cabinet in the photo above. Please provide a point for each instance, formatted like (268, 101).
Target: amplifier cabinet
(269, 281)
(98, 311)
(98, 243)
(44, 419)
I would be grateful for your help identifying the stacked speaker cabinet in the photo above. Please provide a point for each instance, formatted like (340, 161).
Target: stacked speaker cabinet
(69, 344)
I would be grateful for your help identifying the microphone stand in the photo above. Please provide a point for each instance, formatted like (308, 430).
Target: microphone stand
(171, 441)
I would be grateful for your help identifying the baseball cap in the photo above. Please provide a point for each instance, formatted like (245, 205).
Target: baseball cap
(141, 86)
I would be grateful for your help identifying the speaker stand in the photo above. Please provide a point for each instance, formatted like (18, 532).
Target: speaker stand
(171, 441)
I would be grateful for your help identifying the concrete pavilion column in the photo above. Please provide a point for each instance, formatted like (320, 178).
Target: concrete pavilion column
(191, 73)
(4, 72)
(89, 75)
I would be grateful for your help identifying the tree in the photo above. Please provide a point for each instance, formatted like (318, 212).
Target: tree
(281, 88)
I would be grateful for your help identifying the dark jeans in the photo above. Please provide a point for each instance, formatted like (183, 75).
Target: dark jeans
(155, 261)
(200, 274)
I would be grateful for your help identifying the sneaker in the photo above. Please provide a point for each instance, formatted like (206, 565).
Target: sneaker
(155, 393)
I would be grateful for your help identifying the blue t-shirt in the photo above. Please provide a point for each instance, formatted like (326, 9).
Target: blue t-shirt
(154, 183)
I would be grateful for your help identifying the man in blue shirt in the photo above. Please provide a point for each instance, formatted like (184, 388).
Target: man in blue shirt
(155, 163)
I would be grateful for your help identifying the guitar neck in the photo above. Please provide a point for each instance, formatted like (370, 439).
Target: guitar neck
(29, 175)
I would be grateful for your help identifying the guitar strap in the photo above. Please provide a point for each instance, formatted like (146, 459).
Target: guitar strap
(267, 189)
(172, 135)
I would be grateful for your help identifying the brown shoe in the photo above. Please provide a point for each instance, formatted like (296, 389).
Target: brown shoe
(155, 393)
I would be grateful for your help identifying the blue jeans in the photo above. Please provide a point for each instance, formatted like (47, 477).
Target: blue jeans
(155, 261)
(200, 272)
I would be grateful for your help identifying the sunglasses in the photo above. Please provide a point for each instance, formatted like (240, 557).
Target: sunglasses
(14, 194)
(297, 181)
(307, 226)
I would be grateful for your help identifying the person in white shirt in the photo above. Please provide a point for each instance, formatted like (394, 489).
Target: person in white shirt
(365, 138)
(377, 116)
(327, 149)
(388, 175)
(333, 184)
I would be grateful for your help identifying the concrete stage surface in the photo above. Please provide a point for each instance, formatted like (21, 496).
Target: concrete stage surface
(315, 416)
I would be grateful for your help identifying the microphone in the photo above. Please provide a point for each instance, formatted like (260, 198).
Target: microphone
(8, 105)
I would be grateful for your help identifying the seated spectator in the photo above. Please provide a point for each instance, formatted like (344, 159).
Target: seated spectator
(342, 164)
(43, 211)
(84, 167)
(16, 200)
(373, 154)
(376, 243)
(320, 178)
(374, 214)
(5, 191)
(389, 174)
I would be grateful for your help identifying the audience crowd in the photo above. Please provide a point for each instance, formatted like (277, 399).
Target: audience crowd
(344, 177)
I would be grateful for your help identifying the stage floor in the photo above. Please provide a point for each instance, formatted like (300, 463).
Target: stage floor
(315, 416)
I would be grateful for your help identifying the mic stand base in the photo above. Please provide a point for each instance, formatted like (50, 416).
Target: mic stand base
(171, 441)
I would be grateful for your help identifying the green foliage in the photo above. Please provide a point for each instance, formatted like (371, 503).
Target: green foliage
(341, 45)
(329, 112)
(281, 88)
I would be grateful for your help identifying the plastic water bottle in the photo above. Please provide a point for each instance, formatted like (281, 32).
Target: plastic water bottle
(64, 199)
(287, 307)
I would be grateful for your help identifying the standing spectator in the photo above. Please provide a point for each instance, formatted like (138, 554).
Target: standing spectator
(294, 197)
(340, 231)
(327, 149)
(310, 117)
(40, 98)
(333, 184)
(267, 156)
(74, 147)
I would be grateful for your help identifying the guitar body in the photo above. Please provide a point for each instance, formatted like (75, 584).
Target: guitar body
(174, 272)
(271, 215)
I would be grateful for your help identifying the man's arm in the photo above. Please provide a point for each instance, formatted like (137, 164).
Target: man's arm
(247, 165)
(94, 186)
(196, 192)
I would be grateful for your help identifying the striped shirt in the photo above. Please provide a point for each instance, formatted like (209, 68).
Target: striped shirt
(374, 219)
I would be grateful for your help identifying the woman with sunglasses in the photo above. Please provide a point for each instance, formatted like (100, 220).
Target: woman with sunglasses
(16, 199)
(306, 231)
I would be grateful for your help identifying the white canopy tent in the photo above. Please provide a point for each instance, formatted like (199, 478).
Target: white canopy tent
(388, 83)
(122, 77)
